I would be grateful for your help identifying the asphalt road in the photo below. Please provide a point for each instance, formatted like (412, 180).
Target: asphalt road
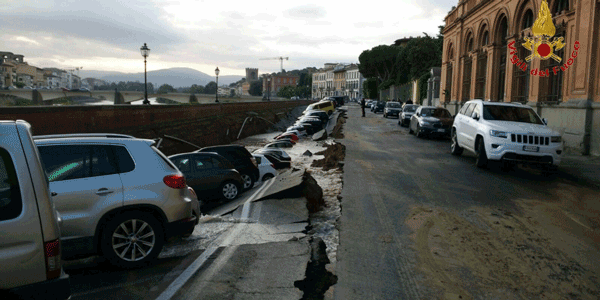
(388, 172)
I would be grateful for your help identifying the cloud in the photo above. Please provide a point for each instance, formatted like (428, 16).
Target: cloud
(306, 12)
(26, 40)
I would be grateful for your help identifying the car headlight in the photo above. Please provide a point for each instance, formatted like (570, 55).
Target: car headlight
(499, 134)
(556, 139)
(424, 123)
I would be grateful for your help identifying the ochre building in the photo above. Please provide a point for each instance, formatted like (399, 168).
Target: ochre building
(484, 58)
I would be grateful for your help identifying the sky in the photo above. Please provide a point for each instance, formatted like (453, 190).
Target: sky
(232, 35)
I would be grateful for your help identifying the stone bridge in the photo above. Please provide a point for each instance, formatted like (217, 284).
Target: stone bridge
(39, 97)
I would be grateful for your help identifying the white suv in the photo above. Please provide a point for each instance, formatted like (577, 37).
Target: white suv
(507, 132)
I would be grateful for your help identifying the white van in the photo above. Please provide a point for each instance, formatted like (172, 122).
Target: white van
(30, 249)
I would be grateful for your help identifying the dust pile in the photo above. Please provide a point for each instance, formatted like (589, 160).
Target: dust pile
(334, 153)
(494, 254)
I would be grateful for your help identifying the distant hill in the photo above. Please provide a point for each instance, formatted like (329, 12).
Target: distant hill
(176, 77)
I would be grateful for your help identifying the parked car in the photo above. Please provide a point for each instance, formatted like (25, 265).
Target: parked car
(309, 128)
(314, 125)
(65, 89)
(107, 186)
(506, 132)
(431, 121)
(279, 144)
(317, 113)
(407, 111)
(298, 133)
(378, 106)
(392, 109)
(241, 159)
(300, 129)
(276, 156)
(287, 135)
(326, 106)
(30, 247)
(84, 89)
(266, 167)
(208, 174)
(339, 100)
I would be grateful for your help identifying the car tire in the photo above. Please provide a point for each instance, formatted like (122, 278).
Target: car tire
(418, 132)
(454, 147)
(481, 157)
(248, 181)
(229, 190)
(267, 176)
(140, 230)
(384, 115)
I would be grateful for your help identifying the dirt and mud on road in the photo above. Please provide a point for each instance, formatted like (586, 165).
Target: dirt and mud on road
(545, 251)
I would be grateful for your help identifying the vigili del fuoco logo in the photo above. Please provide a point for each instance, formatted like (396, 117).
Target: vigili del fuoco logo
(543, 45)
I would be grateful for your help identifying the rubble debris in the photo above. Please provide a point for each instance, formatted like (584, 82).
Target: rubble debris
(313, 193)
(307, 153)
(333, 155)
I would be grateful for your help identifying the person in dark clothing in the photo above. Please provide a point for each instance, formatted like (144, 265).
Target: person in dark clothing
(409, 101)
(362, 106)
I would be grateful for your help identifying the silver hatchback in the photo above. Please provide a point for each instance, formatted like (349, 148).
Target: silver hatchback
(118, 196)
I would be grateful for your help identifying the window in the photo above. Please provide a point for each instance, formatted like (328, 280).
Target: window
(502, 60)
(67, 162)
(511, 113)
(470, 109)
(467, 79)
(11, 203)
(183, 164)
(203, 163)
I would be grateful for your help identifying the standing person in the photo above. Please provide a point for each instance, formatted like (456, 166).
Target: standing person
(362, 106)
(409, 101)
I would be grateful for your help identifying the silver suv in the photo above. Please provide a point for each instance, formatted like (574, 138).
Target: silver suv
(30, 249)
(119, 196)
(507, 132)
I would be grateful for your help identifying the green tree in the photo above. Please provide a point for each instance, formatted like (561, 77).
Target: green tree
(210, 88)
(255, 88)
(286, 92)
(423, 87)
(165, 88)
(380, 63)
(232, 93)
(19, 85)
(370, 89)
(196, 89)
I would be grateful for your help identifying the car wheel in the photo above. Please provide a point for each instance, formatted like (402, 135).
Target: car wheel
(481, 160)
(418, 132)
(454, 147)
(267, 176)
(132, 239)
(229, 190)
(248, 181)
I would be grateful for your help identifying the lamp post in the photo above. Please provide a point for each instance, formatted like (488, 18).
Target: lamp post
(217, 92)
(145, 52)
(269, 89)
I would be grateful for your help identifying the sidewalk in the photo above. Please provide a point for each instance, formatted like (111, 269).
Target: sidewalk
(580, 169)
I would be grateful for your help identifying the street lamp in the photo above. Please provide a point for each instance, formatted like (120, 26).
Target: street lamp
(269, 89)
(145, 52)
(217, 92)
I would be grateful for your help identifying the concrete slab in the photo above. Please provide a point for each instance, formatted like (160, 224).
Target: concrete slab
(255, 271)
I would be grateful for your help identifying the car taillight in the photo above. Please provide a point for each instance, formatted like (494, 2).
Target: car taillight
(272, 165)
(175, 181)
(52, 254)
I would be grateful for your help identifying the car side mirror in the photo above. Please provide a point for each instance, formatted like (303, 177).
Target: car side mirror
(545, 121)
(475, 116)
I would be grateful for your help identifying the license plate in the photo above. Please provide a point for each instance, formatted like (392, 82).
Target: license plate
(531, 148)
(441, 130)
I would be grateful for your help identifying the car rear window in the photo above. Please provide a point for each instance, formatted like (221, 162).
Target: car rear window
(123, 159)
(11, 203)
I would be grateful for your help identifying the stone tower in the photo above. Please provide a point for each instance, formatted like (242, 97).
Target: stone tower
(251, 74)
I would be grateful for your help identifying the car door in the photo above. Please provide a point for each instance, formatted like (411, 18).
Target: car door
(469, 124)
(206, 171)
(85, 181)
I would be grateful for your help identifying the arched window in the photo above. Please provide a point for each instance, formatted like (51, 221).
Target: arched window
(561, 5)
(448, 87)
(527, 20)
(468, 65)
(501, 79)
(485, 39)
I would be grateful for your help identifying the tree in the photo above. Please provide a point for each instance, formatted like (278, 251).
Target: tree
(196, 89)
(19, 85)
(232, 93)
(380, 63)
(210, 88)
(286, 92)
(370, 89)
(165, 88)
(255, 88)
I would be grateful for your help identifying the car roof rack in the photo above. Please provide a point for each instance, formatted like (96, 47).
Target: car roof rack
(82, 135)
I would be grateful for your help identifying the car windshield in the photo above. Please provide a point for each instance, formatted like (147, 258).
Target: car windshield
(510, 113)
(410, 108)
(393, 105)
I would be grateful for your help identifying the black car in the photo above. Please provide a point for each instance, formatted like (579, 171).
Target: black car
(209, 173)
(323, 116)
(280, 144)
(392, 109)
(309, 128)
(379, 107)
(241, 159)
(315, 124)
(431, 121)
